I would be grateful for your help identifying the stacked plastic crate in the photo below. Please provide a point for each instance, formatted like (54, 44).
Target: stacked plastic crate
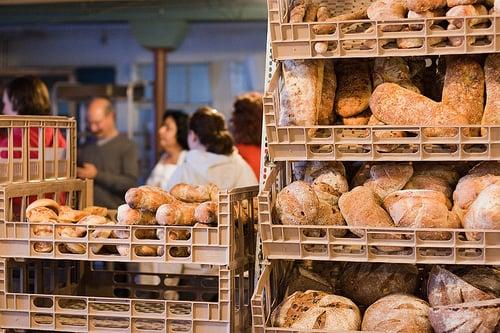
(287, 144)
(91, 290)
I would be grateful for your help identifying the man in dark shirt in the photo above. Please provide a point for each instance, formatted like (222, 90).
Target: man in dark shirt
(111, 160)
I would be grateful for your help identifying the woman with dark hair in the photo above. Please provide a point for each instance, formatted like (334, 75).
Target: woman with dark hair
(212, 157)
(28, 95)
(172, 137)
(246, 126)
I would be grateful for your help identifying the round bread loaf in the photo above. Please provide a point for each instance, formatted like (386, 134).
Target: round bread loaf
(484, 213)
(317, 310)
(365, 283)
(398, 313)
(297, 204)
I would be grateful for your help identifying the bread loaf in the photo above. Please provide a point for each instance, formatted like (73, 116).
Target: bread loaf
(363, 174)
(324, 16)
(433, 183)
(302, 279)
(129, 216)
(301, 92)
(317, 310)
(485, 168)
(491, 114)
(41, 214)
(454, 3)
(397, 313)
(297, 11)
(359, 119)
(484, 213)
(48, 203)
(79, 232)
(481, 317)
(388, 177)
(70, 215)
(310, 170)
(329, 186)
(147, 198)
(365, 283)
(484, 278)
(297, 204)
(326, 116)
(464, 88)
(395, 105)
(448, 172)
(353, 87)
(361, 208)
(328, 215)
(420, 6)
(96, 210)
(392, 69)
(206, 212)
(445, 288)
(425, 15)
(176, 214)
(384, 10)
(311, 11)
(421, 209)
(195, 193)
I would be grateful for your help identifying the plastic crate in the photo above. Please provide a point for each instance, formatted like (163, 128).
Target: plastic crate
(361, 143)
(24, 158)
(290, 241)
(64, 296)
(226, 244)
(366, 38)
(270, 291)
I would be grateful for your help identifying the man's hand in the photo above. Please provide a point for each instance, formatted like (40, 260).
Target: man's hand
(87, 171)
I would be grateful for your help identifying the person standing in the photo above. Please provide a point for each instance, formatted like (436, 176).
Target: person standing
(111, 159)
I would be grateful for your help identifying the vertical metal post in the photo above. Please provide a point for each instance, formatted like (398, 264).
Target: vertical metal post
(160, 95)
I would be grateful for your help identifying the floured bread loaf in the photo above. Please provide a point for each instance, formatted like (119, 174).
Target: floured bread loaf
(397, 313)
(388, 177)
(317, 310)
(491, 114)
(484, 213)
(354, 87)
(297, 204)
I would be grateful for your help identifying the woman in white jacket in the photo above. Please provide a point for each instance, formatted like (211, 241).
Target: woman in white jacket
(212, 157)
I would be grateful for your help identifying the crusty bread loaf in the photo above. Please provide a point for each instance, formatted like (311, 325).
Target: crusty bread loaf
(206, 212)
(176, 214)
(388, 177)
(395, 105)
(96, 210)
(478, 317)
(392, 69)
(464, 87)
(423, 15)
(361, 208)
(448, 172)
(353, 87)
(48, 203)
(359, 119)
(484, 213)
(486, 168)
(129, 216)
(329, 186)
(304, 278)
(311, 11)
(310, 170)
(195, 193)
(70, 215)
(317, 310)
(383, 10)
(326, 116)
(421, 209)
(425, 182)
(397, 313)
(485, 278)
(491, 114)
(363, 174)
(324, 16)
(329, 215)
(445, 288)
(365, 283)
(301, 92)
(425, 5)
(297, 204)
(41, 214)
(147, 198)
(297, 11)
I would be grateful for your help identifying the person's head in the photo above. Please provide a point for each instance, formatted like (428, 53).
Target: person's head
(208, 131)
(101, 118)
(246, 121)
(174, 130)
(26, 95)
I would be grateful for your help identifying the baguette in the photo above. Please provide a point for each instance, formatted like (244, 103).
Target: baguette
(323, 15)
(206, 212)
(176, 214)
(326, 116)
(330, 28)
(491, 114)
(147, 198)
(353, 88)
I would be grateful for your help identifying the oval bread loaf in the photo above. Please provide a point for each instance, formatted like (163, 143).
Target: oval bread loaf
(297, 204)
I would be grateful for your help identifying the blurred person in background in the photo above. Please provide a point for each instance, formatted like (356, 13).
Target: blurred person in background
(172, 138)
(246, 126)
(212, 157)
(110, 159)
(28, 96)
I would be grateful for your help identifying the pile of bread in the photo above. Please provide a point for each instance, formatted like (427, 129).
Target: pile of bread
(331, 296)
(185, 205)
(453, 91)
(386, 10)
(387, 195)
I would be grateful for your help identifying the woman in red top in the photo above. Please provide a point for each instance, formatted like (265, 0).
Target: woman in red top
(27, 95)
(246, 125)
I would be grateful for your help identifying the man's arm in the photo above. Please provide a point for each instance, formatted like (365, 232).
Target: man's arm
(122, 182)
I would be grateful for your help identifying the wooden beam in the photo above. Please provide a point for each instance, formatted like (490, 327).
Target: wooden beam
(160, 85)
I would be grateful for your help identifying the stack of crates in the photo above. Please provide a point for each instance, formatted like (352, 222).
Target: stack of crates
(94, 291)
(284, 244)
